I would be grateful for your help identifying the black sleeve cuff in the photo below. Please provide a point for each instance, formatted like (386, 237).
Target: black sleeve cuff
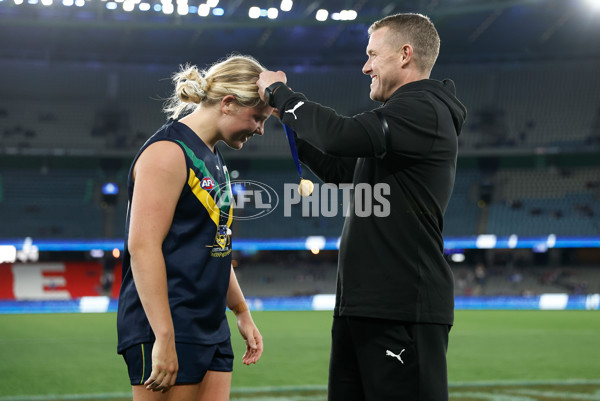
(281, 95)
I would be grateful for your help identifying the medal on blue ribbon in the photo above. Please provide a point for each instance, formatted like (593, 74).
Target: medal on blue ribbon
(305, 187)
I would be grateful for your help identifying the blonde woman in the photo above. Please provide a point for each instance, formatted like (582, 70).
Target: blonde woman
(177, 275)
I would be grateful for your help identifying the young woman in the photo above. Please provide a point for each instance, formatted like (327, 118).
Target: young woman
(177, 275)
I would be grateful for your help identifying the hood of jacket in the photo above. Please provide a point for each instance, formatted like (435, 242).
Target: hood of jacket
(445, 90)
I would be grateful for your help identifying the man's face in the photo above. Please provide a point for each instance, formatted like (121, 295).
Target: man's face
(383, 65)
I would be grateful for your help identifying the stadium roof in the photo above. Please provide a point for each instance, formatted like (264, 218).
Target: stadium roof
(102, 31)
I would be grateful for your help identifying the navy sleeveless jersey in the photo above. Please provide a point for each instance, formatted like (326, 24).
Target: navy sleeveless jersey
(197, 250)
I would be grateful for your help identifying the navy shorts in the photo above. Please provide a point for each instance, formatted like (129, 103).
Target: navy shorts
(194, 361)
(387, 360)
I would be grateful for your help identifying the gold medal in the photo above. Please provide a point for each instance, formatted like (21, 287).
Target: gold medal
(305, 187)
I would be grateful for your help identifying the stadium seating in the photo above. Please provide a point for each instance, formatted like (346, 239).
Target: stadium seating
(49, 203)
(526, 202)
(514, 107)
(462, 213)
(263, 279)
(532, 202)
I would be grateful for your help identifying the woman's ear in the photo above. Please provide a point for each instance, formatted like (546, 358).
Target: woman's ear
(228, 104)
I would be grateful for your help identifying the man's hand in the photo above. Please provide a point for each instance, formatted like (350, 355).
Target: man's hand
(267, 78)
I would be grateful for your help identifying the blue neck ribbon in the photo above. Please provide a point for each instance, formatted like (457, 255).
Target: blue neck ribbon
(289, 132)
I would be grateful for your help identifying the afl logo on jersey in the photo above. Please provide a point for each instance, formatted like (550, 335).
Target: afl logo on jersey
(207, 183)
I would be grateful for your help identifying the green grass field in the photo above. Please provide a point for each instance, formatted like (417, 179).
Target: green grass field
(493, 355)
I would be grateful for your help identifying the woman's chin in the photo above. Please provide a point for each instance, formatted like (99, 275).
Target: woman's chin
(237, 145)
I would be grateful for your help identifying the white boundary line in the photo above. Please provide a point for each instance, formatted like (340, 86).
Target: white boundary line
(500, 383)
(281, 389)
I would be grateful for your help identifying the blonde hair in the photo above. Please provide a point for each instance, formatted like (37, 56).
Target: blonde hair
(416, 30)
(236, 75)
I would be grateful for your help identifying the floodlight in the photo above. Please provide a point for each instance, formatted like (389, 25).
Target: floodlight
(551, 241)
(218, 11)
(203, 10)
(315, 242)
(168, 8)
(96, 253)
(322, 15)
(594, 4)
(128, 6)
(182, 9)
(286, 5)
(8, 254)
(212, 3)
(272, 13)
(486, 241)
(346, 15)
(458, 257)
(253, 12)
(110, 188)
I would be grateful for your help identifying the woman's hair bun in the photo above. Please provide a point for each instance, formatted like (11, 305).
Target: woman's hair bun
(191, 86)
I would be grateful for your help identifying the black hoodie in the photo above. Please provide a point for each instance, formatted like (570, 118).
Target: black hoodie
(391, 261)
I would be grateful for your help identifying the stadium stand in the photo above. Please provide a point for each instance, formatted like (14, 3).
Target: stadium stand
(515, 107)
(550, 200)
(262, 279)
(527, 105)
(463, 213)
(49, 203)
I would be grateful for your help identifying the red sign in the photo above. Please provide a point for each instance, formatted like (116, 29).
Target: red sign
(62, 280)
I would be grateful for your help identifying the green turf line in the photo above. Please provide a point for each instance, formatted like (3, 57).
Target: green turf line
(51, 397)
(524, 383)
(281, 393)
(560, 395)
(274, 389)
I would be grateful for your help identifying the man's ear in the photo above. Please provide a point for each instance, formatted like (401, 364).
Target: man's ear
(406, 53)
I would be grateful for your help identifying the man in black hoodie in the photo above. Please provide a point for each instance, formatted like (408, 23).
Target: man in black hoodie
(395, 291)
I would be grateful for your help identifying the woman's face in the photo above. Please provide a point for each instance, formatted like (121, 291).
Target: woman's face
(242, 123)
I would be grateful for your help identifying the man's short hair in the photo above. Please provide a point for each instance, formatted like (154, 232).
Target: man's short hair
(416, 30)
